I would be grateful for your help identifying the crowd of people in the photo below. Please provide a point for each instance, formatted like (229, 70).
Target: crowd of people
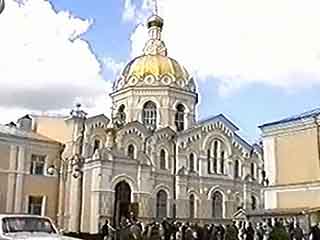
(132, 229)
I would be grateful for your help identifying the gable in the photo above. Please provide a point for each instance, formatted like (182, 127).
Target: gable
(165, 133)
(135, 128)
(219, 118)
(99, 121)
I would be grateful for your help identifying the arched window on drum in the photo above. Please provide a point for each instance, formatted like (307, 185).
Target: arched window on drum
(179, 118)
(121, 113)
(149, 115)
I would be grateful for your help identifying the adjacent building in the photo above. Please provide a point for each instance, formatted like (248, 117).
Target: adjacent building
(25, 185)
(292, 163)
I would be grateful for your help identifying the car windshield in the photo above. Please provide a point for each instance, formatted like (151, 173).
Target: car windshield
(27, 224)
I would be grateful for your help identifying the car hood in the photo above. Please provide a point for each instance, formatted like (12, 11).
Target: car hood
(38, 236)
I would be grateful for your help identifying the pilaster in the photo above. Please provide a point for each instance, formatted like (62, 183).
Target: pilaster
(19, 180)
(12, 178)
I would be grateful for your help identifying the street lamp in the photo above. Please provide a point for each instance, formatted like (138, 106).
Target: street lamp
(75, 163)
(76, 173)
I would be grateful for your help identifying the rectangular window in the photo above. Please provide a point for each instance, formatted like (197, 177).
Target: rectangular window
(37, 166)
(35, 205)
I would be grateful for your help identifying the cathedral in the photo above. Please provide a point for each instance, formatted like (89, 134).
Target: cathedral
(152, 158)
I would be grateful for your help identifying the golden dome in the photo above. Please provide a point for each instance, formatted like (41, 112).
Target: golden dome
(155, 70)
(156, 65)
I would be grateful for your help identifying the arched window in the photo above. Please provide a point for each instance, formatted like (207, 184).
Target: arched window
(162, 204)
(215, 157)
(192, 162)
(222, 163)
(252, 170)
(253, 203)
(149, 115)
(131, 151)
(179, 118)
(96, 145)
(209, 161)
(192, 206)
(122, 114)
(217, 202)
(236, 169)
(162, 159)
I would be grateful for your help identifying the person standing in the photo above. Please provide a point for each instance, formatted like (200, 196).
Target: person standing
(260, 231)
(231, 233)
(249, 232)
(107, 230)
(314, 233)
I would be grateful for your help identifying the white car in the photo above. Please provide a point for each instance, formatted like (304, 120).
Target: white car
(27, 227)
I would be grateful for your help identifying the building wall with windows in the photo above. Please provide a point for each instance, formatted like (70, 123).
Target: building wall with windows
(292, 161)
(21, 176)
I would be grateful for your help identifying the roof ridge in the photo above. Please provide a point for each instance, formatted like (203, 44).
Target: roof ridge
(303, 115)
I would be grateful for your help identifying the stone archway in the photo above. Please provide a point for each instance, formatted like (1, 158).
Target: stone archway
(122, 202)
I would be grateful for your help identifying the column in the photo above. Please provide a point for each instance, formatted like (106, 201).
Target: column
(229, 208)
(19, 181)
(12, 178)
(146, 205)
(246, 201)
(182, 200)
(230, 167)
(74, 204)
(61, 196)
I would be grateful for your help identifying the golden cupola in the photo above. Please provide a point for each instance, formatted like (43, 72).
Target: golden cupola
(154, 67)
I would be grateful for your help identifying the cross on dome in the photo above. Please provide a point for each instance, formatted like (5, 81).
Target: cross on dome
(155, 46)
(155, 3)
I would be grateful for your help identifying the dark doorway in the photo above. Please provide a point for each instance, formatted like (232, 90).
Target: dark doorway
(122, 202)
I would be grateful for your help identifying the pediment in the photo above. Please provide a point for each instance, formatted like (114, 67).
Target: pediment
(135, 128)
(219, 122)
(165, 133)
(98, 121)
(222, 119)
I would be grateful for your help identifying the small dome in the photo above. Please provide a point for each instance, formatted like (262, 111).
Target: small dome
(155, 21)
(155, 70)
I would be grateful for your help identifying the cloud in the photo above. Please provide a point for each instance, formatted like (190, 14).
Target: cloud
(114, 66)
(45, 65)
(129, 12)
(269, 42)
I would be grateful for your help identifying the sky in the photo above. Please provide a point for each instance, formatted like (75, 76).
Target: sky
(255, 61)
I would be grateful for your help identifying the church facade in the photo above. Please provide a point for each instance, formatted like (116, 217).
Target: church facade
(152, 157)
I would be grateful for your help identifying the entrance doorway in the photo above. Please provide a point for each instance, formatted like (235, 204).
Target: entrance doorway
(122, 202)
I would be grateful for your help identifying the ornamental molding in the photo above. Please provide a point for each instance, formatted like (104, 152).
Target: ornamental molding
(166, 79)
